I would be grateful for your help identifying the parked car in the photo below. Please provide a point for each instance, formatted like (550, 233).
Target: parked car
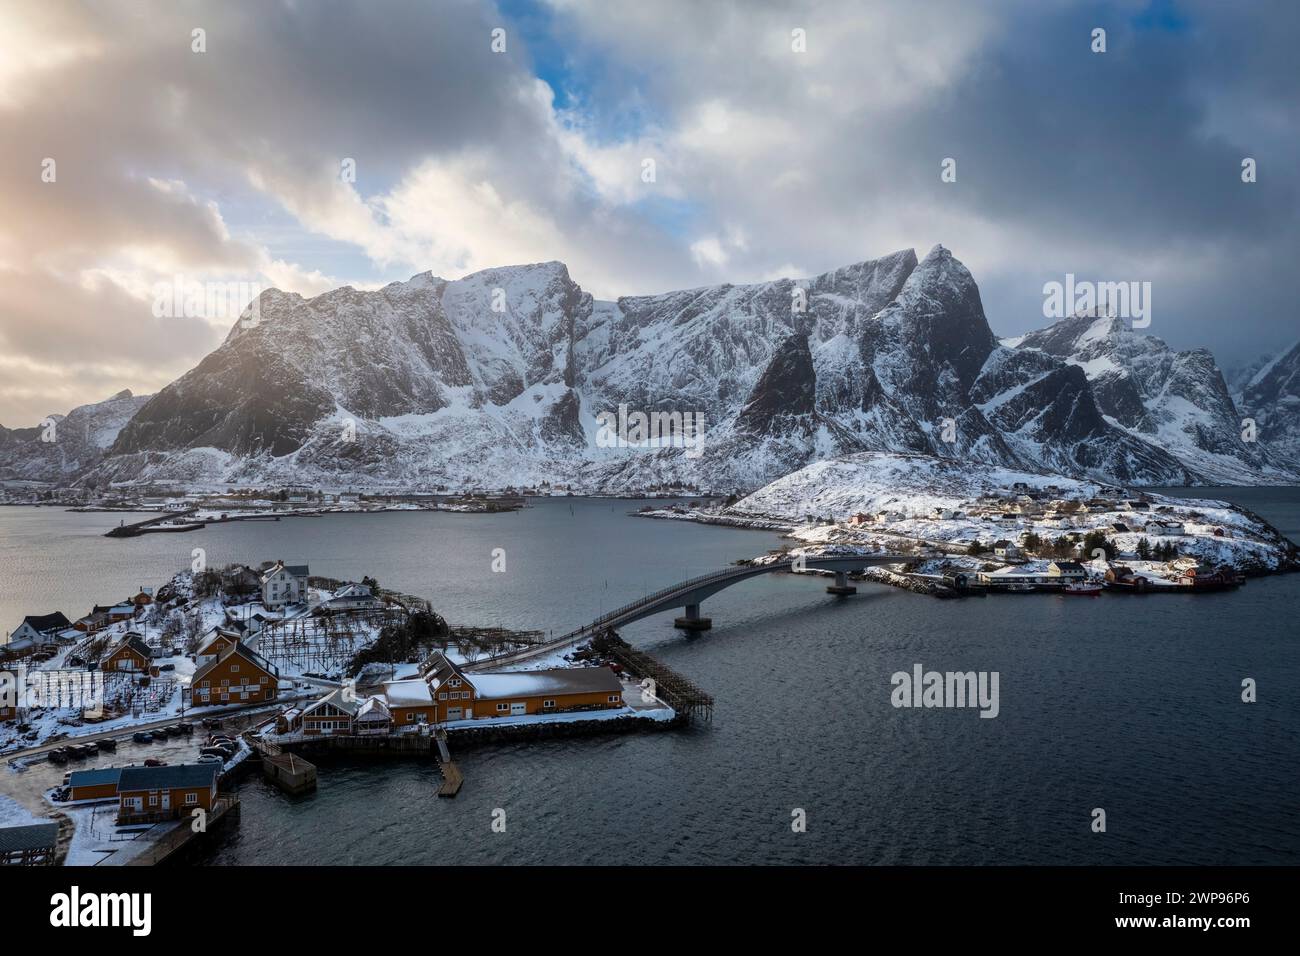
(58, 756)
(155, 762)
(211, 722)
(210, 758)
(217, 752)
(142, 737)
(108, 744)
(167, 667)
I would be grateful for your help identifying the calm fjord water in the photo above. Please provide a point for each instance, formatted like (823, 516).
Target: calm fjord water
(1130, 704)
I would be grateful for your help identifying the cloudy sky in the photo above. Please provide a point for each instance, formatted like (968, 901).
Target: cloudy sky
(228, 164)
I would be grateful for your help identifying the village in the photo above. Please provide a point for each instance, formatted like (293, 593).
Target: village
(243, 666)
(1029, 537)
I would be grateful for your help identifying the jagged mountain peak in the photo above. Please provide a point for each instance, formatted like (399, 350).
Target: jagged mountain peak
(1176, 400)
(500, 377)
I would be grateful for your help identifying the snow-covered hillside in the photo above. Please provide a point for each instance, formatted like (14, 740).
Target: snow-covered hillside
(1177, 401)
(872, 482)
(949, 504)
(79, 440)
(501, 378)
(1271, 396)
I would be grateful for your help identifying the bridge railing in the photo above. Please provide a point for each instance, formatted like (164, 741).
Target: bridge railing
(694, 582)
(665, 592)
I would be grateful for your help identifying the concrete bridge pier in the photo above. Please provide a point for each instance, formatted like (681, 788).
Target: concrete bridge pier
(841, 585)
(692, 621)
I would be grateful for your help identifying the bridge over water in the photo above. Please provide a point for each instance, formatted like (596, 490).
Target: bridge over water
(689, 594)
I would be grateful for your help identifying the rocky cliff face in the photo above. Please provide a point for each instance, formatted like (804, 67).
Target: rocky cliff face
(1271, 397)
(498, 378)
(1177, 401)
(80, 440)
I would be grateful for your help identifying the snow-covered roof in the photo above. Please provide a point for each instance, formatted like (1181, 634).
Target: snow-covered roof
(407, 693)
(335, 698)
(373, 708)
(557, 680)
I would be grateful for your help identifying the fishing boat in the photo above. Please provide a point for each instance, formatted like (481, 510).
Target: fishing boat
(1081, 589)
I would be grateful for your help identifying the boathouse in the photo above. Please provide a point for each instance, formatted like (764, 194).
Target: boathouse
(409, 702)
(332, 714)
(373, 718)
(463, 696)
(99, 784)
(163, 793)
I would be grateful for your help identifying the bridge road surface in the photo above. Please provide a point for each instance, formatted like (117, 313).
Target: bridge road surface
(692, 592)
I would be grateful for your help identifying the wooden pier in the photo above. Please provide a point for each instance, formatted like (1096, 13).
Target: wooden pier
(225, 808)
(683, 696)
(452, 778)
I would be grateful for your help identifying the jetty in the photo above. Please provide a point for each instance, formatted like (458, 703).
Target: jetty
(452, 778)
(679, 693)
(155, 525)
(180, 837)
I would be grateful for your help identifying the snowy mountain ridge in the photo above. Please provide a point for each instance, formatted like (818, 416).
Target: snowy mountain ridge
(497, 379)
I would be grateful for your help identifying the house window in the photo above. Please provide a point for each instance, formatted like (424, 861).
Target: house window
(191, 798)
(443, 695)
(225, 683)
(153, 799)
(503, 707)
(548, 703)
(455, 682)
(234, 668)
(263, 680)
(410, 718)
(207, 683)
(615, 698)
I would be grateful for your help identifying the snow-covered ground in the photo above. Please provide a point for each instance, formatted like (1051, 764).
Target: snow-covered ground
(918, 502)
(97, 840)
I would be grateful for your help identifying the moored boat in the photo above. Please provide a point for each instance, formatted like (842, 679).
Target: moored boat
(1082, 589)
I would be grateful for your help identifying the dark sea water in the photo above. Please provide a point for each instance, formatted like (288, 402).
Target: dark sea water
(1127, 703)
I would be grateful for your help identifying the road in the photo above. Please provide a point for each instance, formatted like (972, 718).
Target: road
(194, 716)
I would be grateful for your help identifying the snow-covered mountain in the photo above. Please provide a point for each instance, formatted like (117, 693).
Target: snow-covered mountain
(75, 443)
(503, 378)
(1177, 401)
(1271, 397)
